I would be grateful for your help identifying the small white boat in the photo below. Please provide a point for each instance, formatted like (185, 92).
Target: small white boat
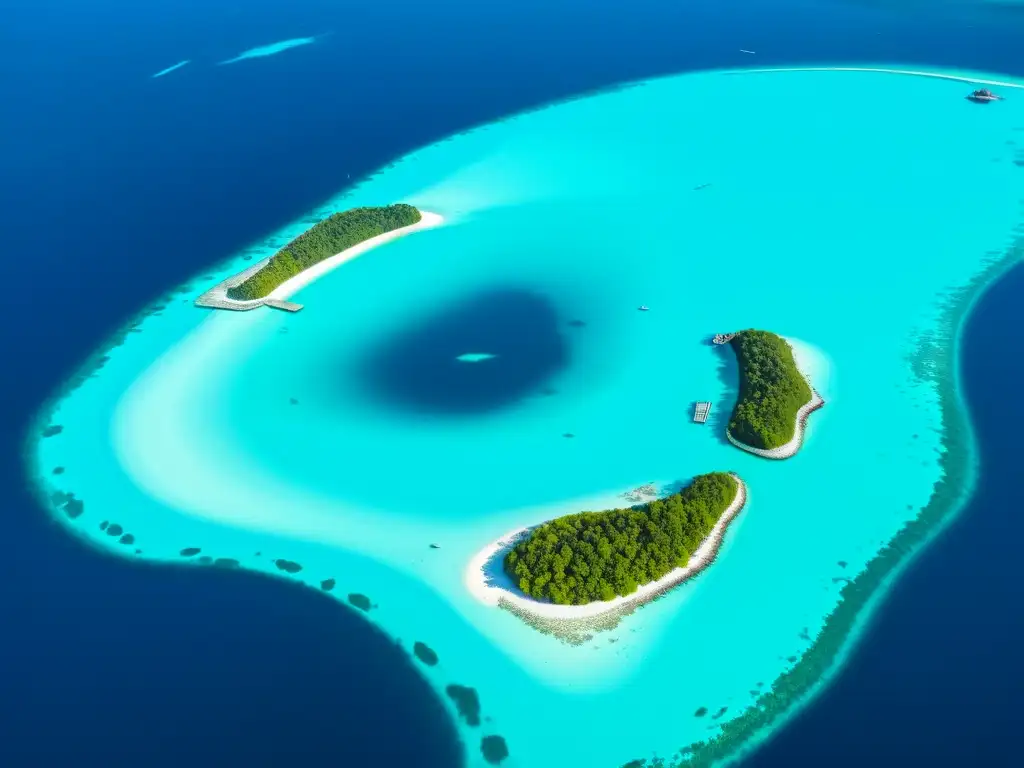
(643, 308)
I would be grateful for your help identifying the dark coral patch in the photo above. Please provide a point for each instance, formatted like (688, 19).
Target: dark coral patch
(494, 749)
(114, 530)
(190, 551)
(701, 711)
(58, 470)
(362, 602)
(206, 560)
(126, 539)
(288, 566)
(226, 562)
(425, 653)
(719, 713)
(73, 507)
(104, 524)
(467, 702)
(327, 585)
(53, 429)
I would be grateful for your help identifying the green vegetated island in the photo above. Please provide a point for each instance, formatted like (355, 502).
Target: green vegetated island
(324, 239)
(591, 556)
(772, 390)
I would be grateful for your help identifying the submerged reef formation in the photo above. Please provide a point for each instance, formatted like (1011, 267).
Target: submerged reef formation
(466, 701)
(425, 653)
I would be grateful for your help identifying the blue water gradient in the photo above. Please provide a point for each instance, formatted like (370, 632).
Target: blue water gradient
(186, 432)
(138, 156)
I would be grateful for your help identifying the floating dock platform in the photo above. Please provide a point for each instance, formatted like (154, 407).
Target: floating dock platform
(701, 411)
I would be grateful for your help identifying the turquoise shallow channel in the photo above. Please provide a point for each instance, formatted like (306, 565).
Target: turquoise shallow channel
(856, 213)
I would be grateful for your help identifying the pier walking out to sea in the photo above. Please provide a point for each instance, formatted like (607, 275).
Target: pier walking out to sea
(701, 411)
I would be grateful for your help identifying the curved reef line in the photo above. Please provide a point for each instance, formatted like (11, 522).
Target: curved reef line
(910, 72)
(481, 584)
(789, 449)
(935, 359)
(217, 297)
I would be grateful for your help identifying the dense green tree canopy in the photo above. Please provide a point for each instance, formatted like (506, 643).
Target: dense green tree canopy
(321, 241)
(591, 556)
(772, 390)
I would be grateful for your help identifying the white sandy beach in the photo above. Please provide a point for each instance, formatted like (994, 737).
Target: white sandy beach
(217, 296)
(911, 72)
(816, 369)
(486, 581)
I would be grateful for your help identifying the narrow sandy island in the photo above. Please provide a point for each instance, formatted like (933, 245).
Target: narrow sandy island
(809, 361)
(911, 72)
(486, 580)
(217, 297)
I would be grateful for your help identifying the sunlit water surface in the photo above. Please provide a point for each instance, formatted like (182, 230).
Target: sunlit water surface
(845, 210)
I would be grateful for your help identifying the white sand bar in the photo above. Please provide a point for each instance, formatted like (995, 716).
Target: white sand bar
(911, 72)
(217, 297)
(487, 582)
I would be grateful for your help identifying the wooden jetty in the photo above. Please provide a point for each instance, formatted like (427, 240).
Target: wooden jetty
(217, 297)
(287, 306)
(701, 412)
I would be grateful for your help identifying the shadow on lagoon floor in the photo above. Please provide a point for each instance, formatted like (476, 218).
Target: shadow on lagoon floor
(728, 372)
(418, 369)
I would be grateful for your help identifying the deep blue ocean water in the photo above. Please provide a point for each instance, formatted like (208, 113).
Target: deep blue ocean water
(116, 186)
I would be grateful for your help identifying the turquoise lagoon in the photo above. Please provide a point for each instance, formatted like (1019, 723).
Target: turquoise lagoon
(858, 212)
